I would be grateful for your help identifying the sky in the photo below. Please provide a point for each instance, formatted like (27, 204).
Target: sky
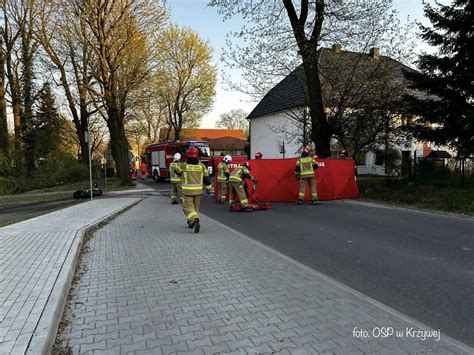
(210, 26)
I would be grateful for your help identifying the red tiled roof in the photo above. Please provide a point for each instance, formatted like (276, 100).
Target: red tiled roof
(226, 143)
(205, 134)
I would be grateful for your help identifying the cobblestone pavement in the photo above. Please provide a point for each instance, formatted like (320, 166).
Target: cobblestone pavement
(149, 285)
(32, 254)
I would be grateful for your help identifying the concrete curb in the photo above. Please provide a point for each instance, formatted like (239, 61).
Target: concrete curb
(377, 204)
(45, 332)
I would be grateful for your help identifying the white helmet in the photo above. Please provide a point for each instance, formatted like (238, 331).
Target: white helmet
(227, 159)
(177, 157)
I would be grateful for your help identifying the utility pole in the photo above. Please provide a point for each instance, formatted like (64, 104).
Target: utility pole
(105, 168)
(88, 138)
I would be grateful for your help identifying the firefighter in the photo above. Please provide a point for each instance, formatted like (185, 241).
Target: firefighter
(258, 156)
(343, 154)
(223, 177)
(236, 182)
(175, 179)
(193, 174)
(304, 171)
(143, 171)
(132, 170)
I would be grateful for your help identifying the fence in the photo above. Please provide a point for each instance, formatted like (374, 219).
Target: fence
(444, 172)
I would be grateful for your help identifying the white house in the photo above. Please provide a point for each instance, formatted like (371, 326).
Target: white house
(273, 125)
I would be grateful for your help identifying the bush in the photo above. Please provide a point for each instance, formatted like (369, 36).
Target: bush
(8, 184)
(59, 169)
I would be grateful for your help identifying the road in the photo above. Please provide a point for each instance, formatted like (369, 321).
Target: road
(421, 264)
(13, 214)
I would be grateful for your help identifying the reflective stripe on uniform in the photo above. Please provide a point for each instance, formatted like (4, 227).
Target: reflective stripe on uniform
(221, 169)
(175, 181)
(234, 176)
(192, 187)
(305, 170)
(244, 201)
(191, 215)
(300, 195)
(194, 168)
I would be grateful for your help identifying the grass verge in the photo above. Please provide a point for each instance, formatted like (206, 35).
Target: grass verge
(59, 192)
(446, 199)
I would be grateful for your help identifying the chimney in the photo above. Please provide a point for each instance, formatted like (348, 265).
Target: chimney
(336, 47)
(374, 52)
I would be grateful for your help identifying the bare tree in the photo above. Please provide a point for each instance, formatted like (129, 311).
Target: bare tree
(16, 32)
(63, 37)
(121, 34)
(4, 136)
(234, 119)
(283, 33)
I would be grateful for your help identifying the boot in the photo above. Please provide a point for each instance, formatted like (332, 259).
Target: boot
(190, 224)
(174, 202)
(315, 202)
(299, 202)
(197, 225)
(248, 209)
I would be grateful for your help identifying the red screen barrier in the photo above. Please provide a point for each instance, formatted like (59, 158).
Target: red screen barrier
(335, 179)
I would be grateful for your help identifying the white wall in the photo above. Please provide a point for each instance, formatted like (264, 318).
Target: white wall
(267, 132)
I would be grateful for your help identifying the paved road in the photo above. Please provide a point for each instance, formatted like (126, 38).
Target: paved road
(421, 264)
(13, 214)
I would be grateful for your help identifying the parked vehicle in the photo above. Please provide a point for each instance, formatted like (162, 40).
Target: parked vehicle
(159, 157)
(86, 193)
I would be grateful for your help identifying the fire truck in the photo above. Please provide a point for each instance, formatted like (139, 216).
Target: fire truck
(159, 156)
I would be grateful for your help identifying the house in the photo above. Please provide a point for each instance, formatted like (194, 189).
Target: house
(277, 123)
(221, 141)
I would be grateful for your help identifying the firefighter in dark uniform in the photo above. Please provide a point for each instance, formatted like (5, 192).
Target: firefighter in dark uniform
(193, 174)
(304, 171)
(236, 182)
(175, 179)
(223, 177)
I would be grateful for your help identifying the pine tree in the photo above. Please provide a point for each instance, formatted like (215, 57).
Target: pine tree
(47, 124)
(444, 98)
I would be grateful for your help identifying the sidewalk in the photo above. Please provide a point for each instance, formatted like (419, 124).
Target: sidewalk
(149, 285)
(37, 259)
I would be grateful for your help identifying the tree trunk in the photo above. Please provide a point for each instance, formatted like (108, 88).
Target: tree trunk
(4, 139)
(119, 145)
(320, 130)
(16, 109)
(27, 100)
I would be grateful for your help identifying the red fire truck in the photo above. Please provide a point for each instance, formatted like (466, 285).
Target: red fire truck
(159, 156)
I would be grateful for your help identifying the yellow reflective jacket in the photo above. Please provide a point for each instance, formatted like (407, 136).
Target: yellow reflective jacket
(222, 172)
(192, 178)
(174, 177)
(305, 166)
(239, 174)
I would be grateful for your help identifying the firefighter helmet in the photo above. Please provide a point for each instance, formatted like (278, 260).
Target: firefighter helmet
(315, 156)
(258, 155)
(177, 157)
(192, 152)
(227, 159)
(246, 164)
(343, 153)
(306, 150)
